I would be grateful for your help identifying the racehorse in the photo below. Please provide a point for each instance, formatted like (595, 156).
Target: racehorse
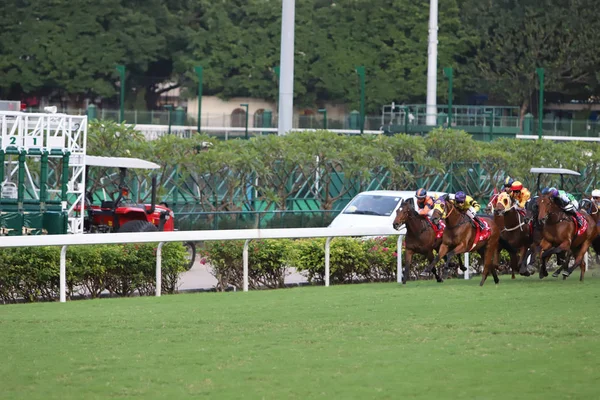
(421, 237)
(562, 258)
(516, 231)
(592, 209)
(560, 233)
(461, 237)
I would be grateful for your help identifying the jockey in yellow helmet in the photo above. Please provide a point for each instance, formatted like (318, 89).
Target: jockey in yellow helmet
(469, 206)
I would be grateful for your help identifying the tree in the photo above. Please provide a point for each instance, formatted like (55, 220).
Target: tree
(59, 48)
(519, 36)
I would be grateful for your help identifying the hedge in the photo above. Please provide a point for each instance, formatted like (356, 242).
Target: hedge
(351, 260)
(32, 273)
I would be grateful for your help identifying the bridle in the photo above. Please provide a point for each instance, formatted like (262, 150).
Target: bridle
(412, 212)
(520, 225)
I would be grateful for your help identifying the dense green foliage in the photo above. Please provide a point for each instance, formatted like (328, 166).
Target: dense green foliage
(62, 49)
(279, 169)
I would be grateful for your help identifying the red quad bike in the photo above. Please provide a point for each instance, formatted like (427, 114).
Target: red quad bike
(123, 214)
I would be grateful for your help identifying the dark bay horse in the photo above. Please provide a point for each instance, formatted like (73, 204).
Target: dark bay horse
(420, 238)
(559, 233)
(592, 209)
(516, 232)
(562, 258)
(459, 237)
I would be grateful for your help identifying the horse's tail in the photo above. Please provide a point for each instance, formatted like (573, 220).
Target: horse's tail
(505, 245)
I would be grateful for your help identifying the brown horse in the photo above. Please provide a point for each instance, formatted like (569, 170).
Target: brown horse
(562, 258)
(420, 237)
(460, 235)
(592, 209)
(516, 231)
(559, 234)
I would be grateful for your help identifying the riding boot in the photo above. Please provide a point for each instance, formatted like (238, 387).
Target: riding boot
(480, 222)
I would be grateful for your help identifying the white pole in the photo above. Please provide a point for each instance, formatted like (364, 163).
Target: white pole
(327, 242)
(246, 265)
(399, 261)
(63, 274)
(158, 288)
(467, 265)
(432, 64)
(286, 72)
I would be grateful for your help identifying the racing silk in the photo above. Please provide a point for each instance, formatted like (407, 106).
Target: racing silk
(426, 206)
(521, 198)
(469, 202)
(566, 197)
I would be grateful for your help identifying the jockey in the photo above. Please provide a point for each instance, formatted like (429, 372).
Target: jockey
(425, 204)
(508, 182)
(565, 200)
(506, 189)
(469, 206)
(596, 197)
(519, 194)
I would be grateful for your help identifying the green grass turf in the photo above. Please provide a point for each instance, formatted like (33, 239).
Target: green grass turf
(524, 339)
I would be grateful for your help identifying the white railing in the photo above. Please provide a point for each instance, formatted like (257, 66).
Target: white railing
(197, 236)
(155, 131)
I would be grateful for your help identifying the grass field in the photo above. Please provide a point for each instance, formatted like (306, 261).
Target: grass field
(524, 339)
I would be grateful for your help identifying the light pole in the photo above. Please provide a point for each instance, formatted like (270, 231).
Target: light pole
(324, 111)
(121, 70)
(431, 115)
(246, 106)
(286, 79)
(448, 73)
(361, 75)
(540, 72)
(169, 108)
(199, 73)
(491, 115)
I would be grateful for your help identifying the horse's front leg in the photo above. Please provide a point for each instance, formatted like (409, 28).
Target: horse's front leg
(522, 261)
(579, 262)
(434, 270)
(408, 255)
(562, 259)
(441, 253)
(544, 247)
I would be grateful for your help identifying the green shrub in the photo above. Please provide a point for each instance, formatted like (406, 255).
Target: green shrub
(268, 261)
(33, 273)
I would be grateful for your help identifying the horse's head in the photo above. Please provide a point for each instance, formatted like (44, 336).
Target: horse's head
(588, 205)
(545, 206)
(402, 214)
(503, 204)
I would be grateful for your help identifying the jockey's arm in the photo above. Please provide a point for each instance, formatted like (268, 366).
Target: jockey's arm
(475, 205)
(427, 208)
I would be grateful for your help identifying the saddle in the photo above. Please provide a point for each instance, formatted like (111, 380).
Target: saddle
(481, 234)
(438, 231)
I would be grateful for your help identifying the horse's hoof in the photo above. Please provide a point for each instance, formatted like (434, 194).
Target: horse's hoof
(526, 273)
(424, 273)
(440, 280)
(566, 274)
(463, 269)
(555, 275)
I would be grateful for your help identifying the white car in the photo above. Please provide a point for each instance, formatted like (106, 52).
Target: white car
(376, 208)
